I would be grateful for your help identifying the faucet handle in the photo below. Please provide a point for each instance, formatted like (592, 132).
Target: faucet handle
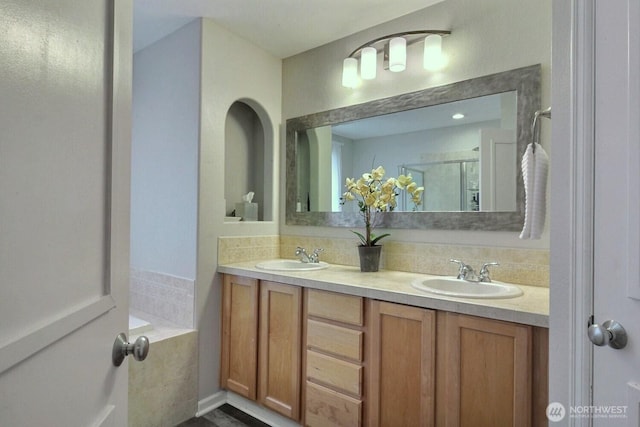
(484, 271)
(315, 257)
(302, 254)
(463, 268)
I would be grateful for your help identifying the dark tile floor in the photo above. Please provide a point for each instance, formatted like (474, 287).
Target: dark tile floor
(224, 416)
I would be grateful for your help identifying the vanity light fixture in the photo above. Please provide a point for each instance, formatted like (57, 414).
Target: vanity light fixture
(350, 72)
(397, 54)
(368, 63)
(394, 48)
(433, 59)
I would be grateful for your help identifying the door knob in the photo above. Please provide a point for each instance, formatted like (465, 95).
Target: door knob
(609, 333)
(122, 348)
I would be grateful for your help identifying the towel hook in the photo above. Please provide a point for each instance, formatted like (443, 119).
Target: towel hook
(535, 128)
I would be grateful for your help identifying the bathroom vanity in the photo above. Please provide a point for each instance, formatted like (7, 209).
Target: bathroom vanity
(337, 347)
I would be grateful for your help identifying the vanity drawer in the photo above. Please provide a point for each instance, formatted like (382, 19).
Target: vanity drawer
(333, 306)
(334, 339)
(326, 407)
(338, 374)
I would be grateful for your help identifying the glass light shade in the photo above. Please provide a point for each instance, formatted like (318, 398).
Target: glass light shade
(350, 72)
(368, 63)
(397, 54)
(434, 59)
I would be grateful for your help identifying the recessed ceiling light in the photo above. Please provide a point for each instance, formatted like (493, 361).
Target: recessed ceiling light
(457, 116)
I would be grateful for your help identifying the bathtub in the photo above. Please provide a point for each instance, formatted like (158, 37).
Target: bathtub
(137, 325)
(162, 388)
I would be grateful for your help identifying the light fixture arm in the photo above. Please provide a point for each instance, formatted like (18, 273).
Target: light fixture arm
(402, 34)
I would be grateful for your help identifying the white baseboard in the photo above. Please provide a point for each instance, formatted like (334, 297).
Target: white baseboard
(245, 405)
(210, 403)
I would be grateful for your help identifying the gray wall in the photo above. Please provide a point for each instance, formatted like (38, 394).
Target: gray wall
(164, 160)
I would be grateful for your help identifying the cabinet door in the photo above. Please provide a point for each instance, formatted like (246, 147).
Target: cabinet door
(402, 355)
(485, 376)
(239, 361)
(280, 348)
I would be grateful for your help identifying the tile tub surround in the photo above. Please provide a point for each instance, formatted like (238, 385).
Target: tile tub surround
(517, 265)
(532, 308)
(163, 388)
(167, 297)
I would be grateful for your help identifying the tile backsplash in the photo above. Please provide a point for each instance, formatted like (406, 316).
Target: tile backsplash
(517, 265)
(237, 249)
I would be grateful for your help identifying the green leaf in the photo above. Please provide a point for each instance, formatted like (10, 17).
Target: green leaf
(361, 236)
(374, 240)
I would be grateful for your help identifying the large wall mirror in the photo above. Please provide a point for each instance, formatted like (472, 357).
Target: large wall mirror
(463, 142)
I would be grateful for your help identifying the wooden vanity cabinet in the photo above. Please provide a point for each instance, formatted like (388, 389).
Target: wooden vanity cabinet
(334, 357)
(261, 342)
(239, 357)
(280, 347)
(402, 361)
(472, 372)
(342, 360)
(484, 372)
(540, 381)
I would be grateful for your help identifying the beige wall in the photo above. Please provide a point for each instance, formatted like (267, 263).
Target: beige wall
(232, 70)
(488, 36)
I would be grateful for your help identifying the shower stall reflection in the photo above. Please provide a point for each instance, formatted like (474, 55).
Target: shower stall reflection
(450, 185)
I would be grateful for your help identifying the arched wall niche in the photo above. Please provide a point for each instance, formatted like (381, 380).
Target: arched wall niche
(249, 153)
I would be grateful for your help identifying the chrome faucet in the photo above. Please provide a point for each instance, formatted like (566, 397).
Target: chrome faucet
(466, 272)
(484, 272)
(313, 258)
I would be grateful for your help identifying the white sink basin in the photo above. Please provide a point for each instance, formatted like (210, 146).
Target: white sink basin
(450, 286)
(291, 265)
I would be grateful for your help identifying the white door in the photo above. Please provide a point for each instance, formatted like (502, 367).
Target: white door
(498, 151)
(65, 77)
(616, 373)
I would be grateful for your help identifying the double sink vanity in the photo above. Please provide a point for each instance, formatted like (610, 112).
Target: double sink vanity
(327, 345)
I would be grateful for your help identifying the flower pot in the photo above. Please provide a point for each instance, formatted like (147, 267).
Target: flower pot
(369, 258)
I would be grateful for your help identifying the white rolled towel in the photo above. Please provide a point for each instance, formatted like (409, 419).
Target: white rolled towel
(535, 169)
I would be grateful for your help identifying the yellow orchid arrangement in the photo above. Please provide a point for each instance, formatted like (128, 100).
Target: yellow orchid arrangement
(376, 194)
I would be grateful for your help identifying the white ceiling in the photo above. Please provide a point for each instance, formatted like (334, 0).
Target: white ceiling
(475, 110)
(281, 27)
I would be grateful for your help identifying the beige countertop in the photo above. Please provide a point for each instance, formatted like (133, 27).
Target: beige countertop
(532, 308)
